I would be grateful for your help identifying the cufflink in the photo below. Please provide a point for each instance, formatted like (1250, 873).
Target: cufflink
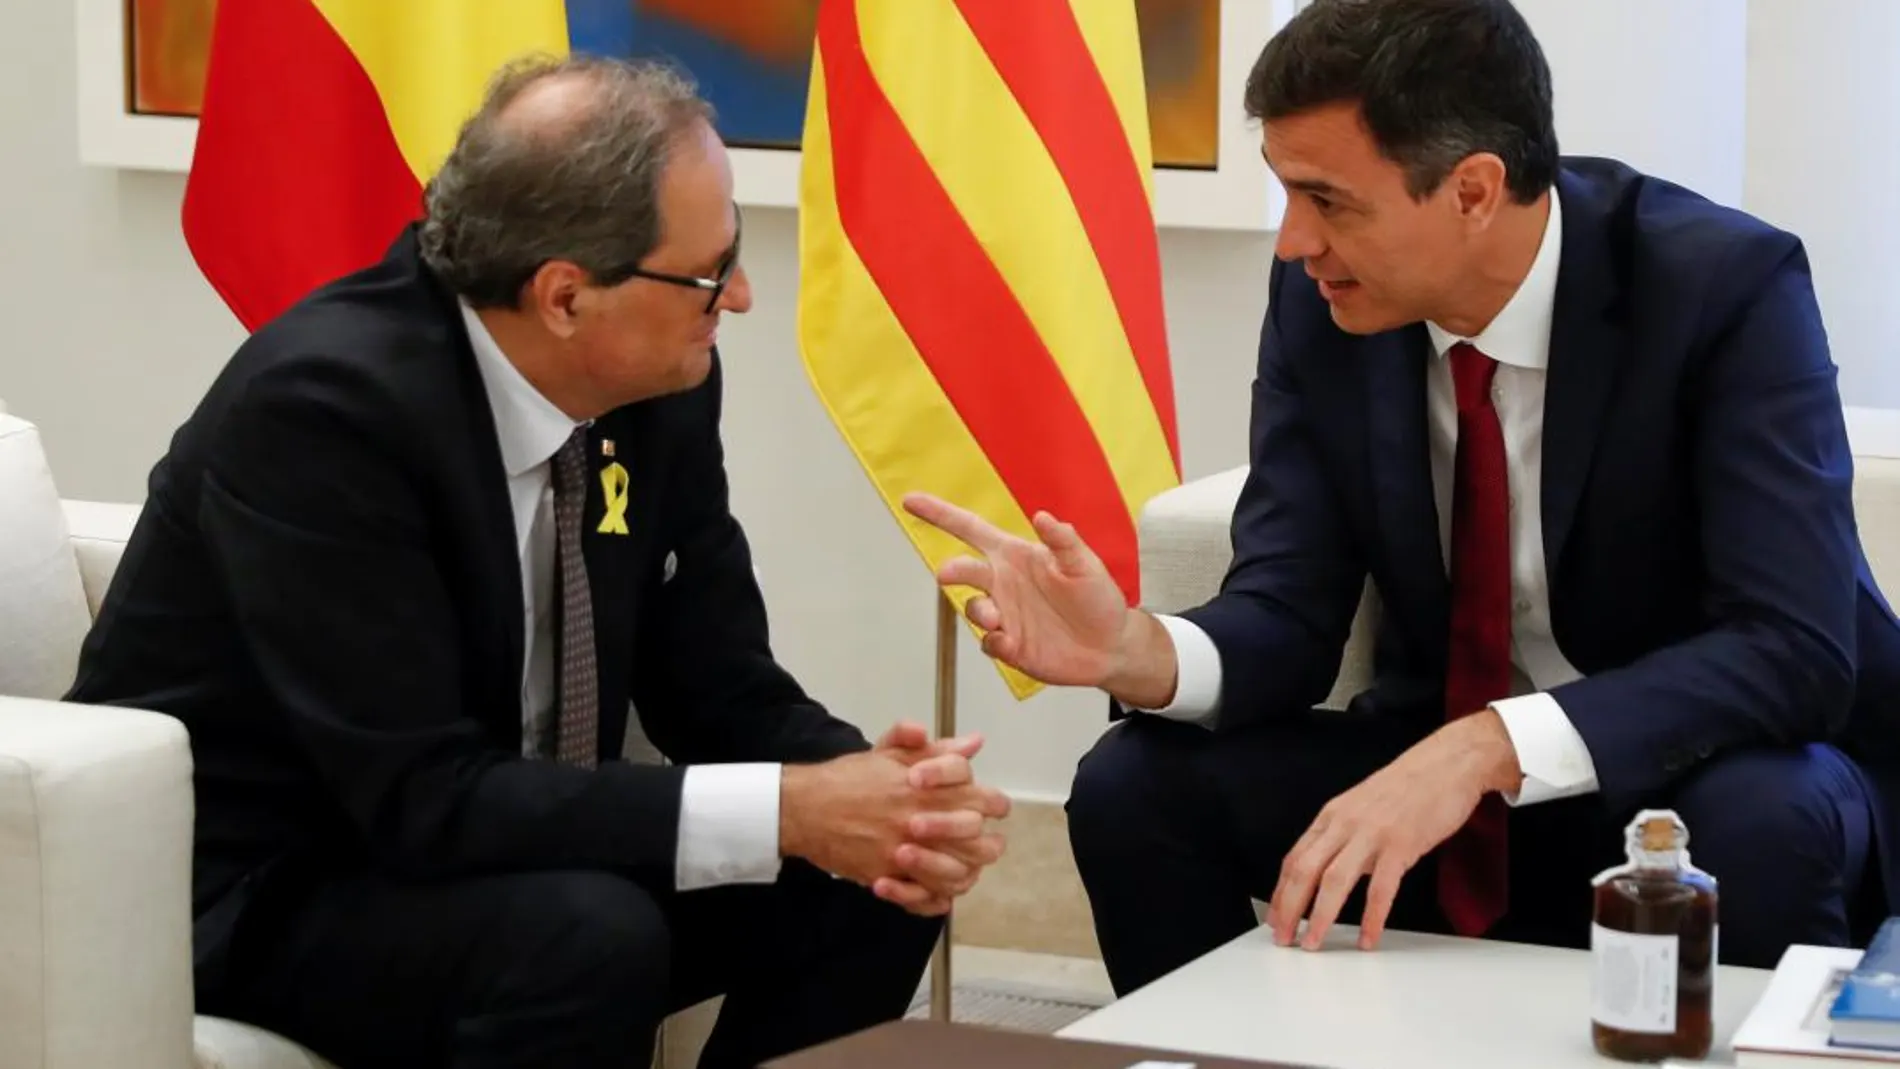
(669, 567)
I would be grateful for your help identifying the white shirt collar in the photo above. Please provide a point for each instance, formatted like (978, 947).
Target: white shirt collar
(530, 427)
(1520, 335)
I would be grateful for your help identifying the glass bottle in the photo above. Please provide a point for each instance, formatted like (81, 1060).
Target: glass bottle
(1653, 948)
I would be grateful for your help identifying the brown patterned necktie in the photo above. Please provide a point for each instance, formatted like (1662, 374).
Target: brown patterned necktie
(578, 726)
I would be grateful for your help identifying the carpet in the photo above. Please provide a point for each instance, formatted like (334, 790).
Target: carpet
(1003, 1004)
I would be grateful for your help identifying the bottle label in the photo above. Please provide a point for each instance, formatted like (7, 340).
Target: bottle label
(1633, 981)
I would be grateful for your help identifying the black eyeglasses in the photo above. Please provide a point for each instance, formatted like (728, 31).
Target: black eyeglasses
(715, 286)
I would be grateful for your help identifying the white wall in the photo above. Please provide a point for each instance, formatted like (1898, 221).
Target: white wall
(112, 335)
(1660, 84)
(1824, 162)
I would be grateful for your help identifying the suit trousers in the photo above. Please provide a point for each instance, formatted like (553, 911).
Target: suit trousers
(571, 969)
(1176, 829)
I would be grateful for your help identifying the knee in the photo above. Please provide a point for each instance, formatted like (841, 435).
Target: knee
(1126, 784)
(882, 931)
(587, 938)
(1786, 833)
(1771, 808)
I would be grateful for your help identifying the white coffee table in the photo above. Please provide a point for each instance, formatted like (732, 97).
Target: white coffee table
(1418, 1002)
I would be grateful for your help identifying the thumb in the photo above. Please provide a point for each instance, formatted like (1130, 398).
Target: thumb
(1072, 554)
(904, 735)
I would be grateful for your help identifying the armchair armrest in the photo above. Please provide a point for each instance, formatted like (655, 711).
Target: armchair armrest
(95, 872)
(1187, 546)
(99, 531)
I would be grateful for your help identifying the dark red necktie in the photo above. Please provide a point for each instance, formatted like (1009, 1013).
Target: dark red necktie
(1472, 863)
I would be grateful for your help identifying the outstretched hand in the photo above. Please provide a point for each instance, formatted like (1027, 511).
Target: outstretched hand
(1378, 830)
(1049, 609)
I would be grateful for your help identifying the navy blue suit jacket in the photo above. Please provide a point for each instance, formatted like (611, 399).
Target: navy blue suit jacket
(1705, 571)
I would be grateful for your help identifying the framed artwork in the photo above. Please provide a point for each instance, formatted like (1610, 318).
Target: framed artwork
(142, 67)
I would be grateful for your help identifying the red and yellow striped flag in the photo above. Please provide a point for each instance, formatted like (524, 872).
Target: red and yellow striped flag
(321, 121)
(980, 287)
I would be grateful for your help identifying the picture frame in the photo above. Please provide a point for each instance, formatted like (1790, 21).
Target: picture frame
(1236, 194)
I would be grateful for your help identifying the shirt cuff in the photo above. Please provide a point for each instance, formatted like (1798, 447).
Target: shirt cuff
(1550, 751)
(1197, 674)
(728, 826)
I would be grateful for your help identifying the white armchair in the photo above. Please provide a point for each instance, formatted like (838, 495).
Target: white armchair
(95, 817)
(96, 822)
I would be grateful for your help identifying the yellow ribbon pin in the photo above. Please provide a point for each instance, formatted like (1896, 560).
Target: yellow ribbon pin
(613, 481)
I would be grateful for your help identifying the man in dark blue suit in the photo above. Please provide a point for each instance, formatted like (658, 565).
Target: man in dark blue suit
(1580, 429)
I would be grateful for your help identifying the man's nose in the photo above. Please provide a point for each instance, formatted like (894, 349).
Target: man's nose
(1299, 239)
(737, 296)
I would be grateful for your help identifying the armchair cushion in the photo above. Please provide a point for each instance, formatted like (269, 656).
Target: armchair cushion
(43, 610)
(99, 530)
(1187, 546)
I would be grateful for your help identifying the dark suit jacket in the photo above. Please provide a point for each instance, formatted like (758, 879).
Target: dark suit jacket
(324, 587)
(1704, 568)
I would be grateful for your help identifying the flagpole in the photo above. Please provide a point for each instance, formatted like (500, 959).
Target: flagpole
(946, 728)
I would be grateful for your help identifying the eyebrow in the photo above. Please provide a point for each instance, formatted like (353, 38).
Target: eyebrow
(1318, 188)
(1312, 186)
(719, 261)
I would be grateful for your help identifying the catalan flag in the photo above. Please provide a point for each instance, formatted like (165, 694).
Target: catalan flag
(321, 121)
(980, 294)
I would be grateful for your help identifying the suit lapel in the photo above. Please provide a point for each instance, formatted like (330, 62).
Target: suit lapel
(1401, 459)
(1587, 347)
(494, 528)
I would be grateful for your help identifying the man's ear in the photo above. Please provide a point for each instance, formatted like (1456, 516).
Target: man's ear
(554, 295)
(1480, 186)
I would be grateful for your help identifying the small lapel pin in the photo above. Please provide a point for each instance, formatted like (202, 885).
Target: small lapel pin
(606, 447)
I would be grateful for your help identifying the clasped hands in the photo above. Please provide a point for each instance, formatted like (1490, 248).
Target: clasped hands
(906, 818)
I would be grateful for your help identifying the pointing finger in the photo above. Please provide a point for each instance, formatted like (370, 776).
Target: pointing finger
(955, 521)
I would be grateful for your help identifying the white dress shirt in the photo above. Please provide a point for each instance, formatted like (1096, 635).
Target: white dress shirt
(1550, 752)
(728, 829)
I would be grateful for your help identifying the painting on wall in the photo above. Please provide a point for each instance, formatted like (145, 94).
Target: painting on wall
(752, 59)
(171, 42)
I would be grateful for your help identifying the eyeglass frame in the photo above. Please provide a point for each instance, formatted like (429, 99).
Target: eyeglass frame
(715, 286)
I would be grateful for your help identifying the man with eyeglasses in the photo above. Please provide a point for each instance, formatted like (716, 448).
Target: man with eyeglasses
(434, 536)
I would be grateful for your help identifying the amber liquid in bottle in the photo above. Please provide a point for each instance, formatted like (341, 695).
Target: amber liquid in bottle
(1653, 947)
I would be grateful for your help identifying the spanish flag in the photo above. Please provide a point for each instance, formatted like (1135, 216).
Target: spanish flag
(980, 292)
(321, 121)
